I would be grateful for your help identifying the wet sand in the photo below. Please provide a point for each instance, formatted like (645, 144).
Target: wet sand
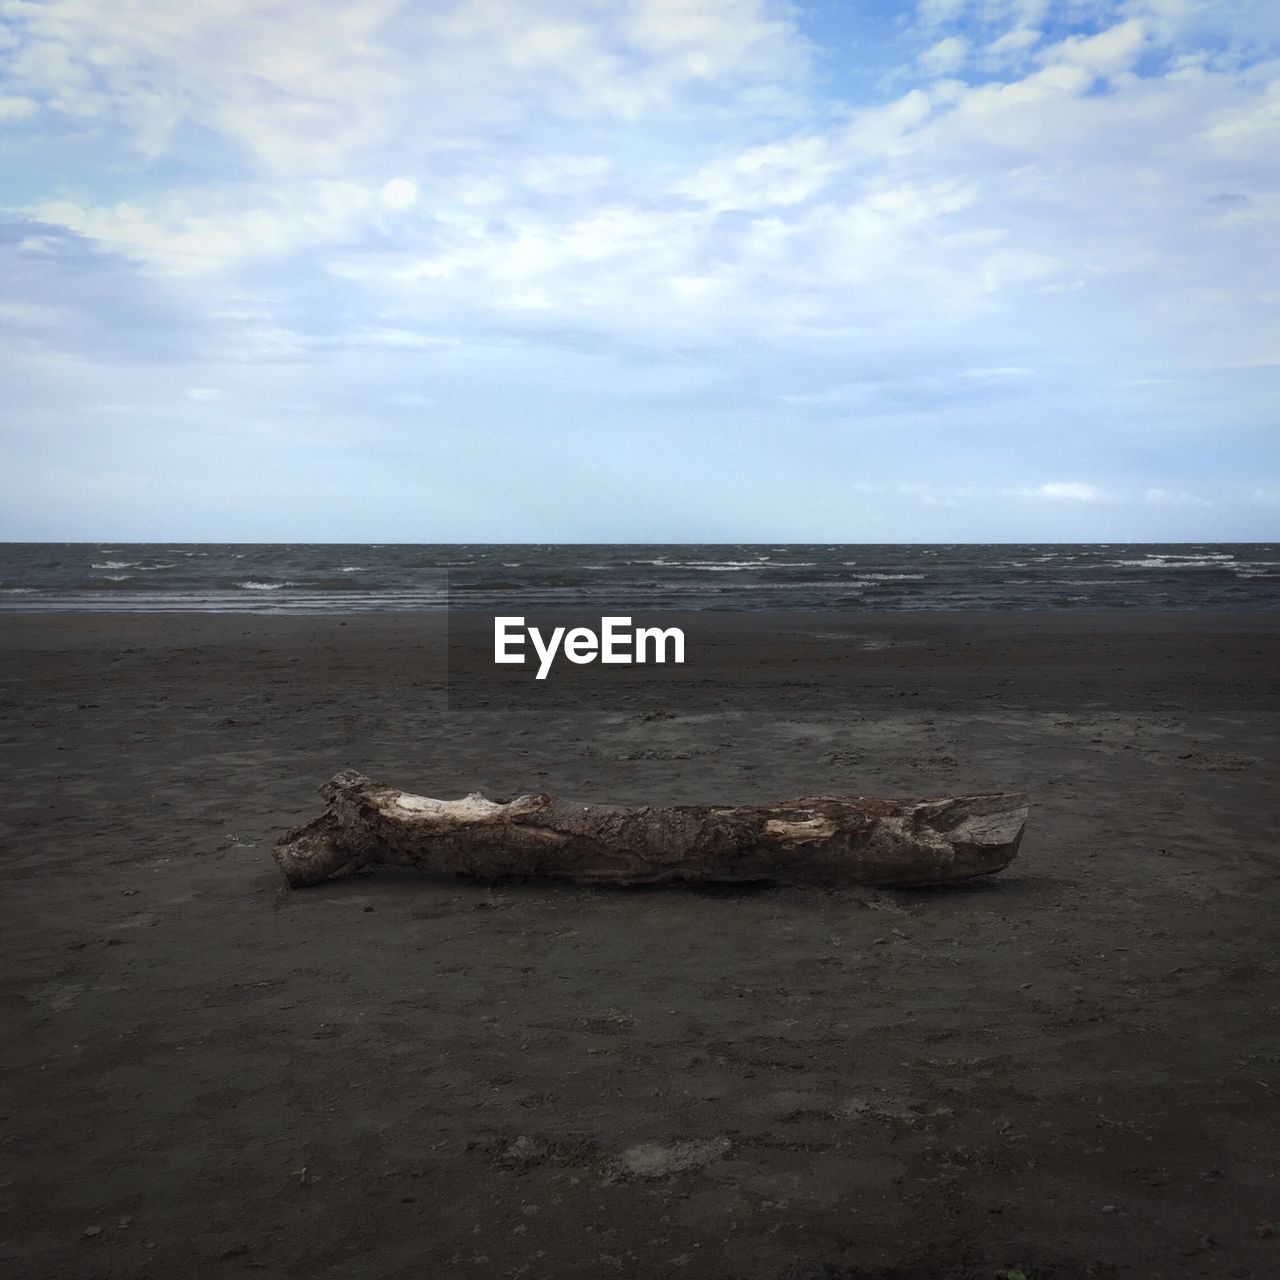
(1072, 1068)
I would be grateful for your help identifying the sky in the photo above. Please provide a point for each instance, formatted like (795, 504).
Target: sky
(640, 270)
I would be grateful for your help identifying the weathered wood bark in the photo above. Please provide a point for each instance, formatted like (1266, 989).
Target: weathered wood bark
(819, 841)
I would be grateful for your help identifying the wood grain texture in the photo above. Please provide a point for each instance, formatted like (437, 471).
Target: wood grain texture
(820, 840)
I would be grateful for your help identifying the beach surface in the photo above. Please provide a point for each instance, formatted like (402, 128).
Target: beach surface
(1071, 1069)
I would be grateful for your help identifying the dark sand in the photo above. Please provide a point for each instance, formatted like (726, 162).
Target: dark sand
(1073, 1067)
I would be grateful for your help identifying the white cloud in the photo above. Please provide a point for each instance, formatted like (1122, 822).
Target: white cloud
(787, 172)
(1012, 45)
(293, 91)
(189, 233)
(1167, 498)
(708, 39)
(399, 194)
(1104, 54)
(1061, 491)
(957, 190)
(945, 57)
(302, 88)
(14, 108)
(932, 13)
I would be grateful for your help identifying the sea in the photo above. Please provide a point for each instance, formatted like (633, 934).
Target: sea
(328, 578)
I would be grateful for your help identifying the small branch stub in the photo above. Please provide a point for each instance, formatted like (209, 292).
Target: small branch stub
(822, 840)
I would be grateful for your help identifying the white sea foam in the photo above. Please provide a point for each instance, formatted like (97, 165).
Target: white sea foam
(115, 564)
(726, 566)
(1170, 561)
(264, 586)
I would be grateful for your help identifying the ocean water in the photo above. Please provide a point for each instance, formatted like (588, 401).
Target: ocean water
(332, 578)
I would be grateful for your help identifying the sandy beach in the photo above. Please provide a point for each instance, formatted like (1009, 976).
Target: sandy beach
(1072, 1069)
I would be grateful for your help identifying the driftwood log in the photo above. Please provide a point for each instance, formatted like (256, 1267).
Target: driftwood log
(818, 841)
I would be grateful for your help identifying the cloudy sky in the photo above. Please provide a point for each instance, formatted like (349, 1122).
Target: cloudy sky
(429, 270)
